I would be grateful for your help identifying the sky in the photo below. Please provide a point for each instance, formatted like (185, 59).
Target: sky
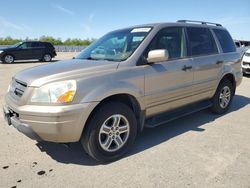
(92, 18)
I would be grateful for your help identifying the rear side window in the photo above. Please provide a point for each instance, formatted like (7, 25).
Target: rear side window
(226, 41)
(49, 45)
(36, 45)
(201, 41)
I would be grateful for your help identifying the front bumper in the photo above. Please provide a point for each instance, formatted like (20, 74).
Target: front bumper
(49, 123)
(1, 56)
(246, 65)
(21, 127)
(246, 70)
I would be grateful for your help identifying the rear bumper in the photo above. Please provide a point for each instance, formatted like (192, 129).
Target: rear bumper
(49, 123)
(1, 56)
(54, 54)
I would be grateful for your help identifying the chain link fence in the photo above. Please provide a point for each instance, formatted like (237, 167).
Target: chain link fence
(69, 48)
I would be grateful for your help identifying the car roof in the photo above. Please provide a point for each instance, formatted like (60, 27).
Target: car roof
(36, 41)
(177, 24)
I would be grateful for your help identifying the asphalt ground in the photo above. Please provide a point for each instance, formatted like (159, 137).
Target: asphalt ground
(199, 150)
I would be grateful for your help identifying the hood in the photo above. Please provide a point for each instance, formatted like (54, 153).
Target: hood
(63, 70)
(6, 49)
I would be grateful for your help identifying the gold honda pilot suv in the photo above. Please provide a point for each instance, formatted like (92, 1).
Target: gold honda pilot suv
(132, 78)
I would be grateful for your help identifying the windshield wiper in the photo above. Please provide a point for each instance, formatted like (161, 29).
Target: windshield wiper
(91, 58)
(100, 59)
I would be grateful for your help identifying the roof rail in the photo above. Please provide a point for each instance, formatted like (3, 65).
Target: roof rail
(201, 22)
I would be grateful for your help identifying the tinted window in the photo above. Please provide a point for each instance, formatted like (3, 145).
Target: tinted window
(115, 46)
(171, 39)
(25, 45)
(48, 45)
(225, 40)
(237, 44)
(36, 45)
(201, 41)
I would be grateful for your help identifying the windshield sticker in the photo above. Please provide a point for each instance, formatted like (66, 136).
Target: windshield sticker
(139, 30)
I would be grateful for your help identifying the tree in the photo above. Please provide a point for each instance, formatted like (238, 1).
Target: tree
(54, 41)
(9, 41)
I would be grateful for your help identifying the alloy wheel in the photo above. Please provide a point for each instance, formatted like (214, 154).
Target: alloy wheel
(225, 97)
(114, 133)
(9, 59)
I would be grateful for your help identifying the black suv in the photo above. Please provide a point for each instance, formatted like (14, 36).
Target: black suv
(44, 51)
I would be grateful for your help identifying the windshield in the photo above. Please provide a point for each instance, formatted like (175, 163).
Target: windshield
(17, 44)
(115, 46)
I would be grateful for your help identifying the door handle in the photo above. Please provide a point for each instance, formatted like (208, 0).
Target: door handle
(186, 68)
(219, 62)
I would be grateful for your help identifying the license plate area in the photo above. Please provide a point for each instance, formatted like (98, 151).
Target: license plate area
(7, 115)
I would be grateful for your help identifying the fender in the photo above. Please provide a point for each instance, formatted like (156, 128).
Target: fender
(226, 70)
(121, 87)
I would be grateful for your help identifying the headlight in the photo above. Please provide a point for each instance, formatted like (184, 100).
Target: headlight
(57, 92)
(1, 51)
(247, 54)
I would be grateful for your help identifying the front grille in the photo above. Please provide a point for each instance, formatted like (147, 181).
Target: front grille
(17, 87)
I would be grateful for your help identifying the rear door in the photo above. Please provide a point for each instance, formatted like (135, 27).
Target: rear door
(206, 61)
(38, 49)
(168, 84)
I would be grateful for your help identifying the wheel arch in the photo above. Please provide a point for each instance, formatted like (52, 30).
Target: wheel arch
(8, 53)
(124, 98)
(231, 78)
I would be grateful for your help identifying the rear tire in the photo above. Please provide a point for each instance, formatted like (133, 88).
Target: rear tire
(110, 132)
(223, 97)
(47, 58)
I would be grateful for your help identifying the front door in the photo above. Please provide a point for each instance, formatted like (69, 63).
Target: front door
(168, 84)
(24, 51)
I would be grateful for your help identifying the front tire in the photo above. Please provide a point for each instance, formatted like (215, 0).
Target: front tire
(110, 132)
(8, 59)
(223, 97)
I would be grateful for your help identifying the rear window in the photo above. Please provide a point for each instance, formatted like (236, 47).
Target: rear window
(49, 45)
(201, 41)
(226, 41)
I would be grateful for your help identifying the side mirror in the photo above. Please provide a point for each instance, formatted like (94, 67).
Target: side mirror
(155, 56)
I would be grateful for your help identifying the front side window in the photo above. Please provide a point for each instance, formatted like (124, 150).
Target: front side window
(172, 39)
(16, 45)
(225, 40)
(201, 41)
(115, 46)
(25, 45)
